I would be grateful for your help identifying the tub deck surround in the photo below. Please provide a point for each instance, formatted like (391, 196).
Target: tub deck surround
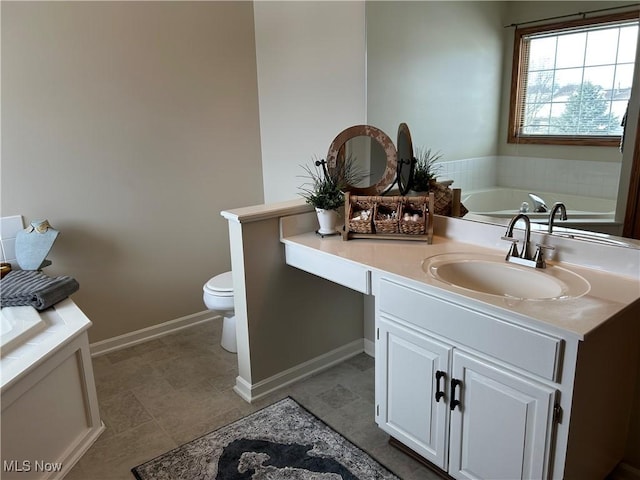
(506, 202)
(49, 403)
(583, 212)
(63, 322)
(19, 324)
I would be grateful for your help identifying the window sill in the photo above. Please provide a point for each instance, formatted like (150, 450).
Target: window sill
(560, 140)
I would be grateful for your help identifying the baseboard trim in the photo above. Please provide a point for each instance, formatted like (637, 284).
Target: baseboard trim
(78, 450)
(252, 392)
(370, 348)
(150, 333)
(624, 471)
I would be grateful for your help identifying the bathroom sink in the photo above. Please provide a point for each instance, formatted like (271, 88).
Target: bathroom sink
(492, 275)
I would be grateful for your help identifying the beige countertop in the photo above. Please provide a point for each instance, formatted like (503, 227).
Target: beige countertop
(609, 293)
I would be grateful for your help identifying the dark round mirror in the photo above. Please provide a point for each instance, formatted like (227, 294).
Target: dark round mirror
(405, 158)
(369, 152)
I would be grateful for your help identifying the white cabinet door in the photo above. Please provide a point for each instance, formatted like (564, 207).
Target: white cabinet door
(407, 380)
(502, 428)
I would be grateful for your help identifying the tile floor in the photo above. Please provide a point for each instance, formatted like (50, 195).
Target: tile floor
(166, 392)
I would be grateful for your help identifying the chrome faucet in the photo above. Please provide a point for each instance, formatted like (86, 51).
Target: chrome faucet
(557, 207)
(513, 251)
(539, 205)
(524, 257)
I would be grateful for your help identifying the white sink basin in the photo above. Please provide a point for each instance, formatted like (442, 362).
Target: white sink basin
(492, 275)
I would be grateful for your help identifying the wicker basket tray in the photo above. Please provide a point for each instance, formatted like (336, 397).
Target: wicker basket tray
(386, 213)
(413, 216)
(359, 214)
(384, 219)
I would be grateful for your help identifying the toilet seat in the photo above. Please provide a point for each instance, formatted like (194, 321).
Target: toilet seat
(220, 285)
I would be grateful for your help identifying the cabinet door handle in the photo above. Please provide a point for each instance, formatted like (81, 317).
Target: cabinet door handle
(454, 383)
(439, 393)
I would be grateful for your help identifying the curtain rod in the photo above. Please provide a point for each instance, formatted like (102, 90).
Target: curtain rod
(584, 14)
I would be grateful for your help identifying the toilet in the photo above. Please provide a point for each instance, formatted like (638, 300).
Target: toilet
(218, 296)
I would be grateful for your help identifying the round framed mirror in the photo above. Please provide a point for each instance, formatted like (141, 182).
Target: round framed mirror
(405, 158)
(369, 151)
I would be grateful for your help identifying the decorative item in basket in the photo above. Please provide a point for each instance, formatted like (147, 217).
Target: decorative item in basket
(386, 214)
(359, 214)
(413, 218)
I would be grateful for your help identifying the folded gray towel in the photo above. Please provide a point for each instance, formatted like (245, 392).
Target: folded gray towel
(33, 288)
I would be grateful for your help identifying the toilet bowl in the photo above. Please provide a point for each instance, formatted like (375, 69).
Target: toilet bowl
(218, 296)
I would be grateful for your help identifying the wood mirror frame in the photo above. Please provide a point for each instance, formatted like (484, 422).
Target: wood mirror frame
(334, 161)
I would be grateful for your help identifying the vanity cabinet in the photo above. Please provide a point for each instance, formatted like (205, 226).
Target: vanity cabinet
(411, 372)
(545, 388)
(470, 416)
(501, 423)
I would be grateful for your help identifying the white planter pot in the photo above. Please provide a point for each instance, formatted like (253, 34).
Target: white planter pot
(328, 220)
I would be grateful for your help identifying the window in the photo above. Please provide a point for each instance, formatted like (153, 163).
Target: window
(571, 81)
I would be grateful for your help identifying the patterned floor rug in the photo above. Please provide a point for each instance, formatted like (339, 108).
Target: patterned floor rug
(283, 441)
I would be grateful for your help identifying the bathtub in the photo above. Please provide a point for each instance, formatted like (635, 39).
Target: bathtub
(17, 325)
(506, 202)
(50, 413)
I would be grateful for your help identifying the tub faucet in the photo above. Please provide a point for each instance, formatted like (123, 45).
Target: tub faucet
(539, 204)
(557, 207)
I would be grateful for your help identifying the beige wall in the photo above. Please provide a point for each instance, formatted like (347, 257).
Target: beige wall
(438, 67)
(413, 48)
(285, 325)
(146, 125)
(130, 126)
(311, 79)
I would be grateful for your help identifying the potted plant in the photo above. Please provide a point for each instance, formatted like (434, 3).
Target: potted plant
(425, 171)
(325, 191)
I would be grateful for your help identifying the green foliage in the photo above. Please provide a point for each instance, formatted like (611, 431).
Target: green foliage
(326, 190)
(586, 113)
(425, 170)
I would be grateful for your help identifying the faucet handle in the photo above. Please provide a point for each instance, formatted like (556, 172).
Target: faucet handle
(541, 246)
(513, 250)
(509, 239)
(538, 257)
